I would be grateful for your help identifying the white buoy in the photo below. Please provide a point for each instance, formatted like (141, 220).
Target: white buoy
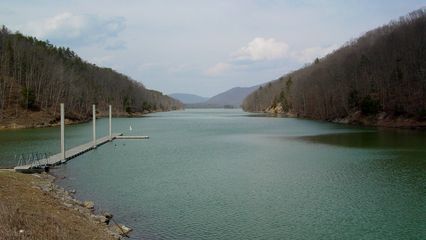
(130, 128)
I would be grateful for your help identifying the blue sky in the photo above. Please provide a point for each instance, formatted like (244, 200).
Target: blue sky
(197, 46)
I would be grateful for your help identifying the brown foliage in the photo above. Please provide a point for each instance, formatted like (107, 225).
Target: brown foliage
(35, 75)
(382, 71)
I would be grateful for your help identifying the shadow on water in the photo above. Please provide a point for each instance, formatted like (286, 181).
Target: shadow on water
(395, 139)
(407, 148)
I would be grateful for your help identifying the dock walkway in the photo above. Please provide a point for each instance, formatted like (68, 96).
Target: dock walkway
(73, 152)
(66, 155)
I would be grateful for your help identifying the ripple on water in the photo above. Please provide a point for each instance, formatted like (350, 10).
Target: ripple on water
(213, 174)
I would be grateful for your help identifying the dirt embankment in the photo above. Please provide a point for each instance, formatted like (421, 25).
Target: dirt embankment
(32, 207)
(39, 119)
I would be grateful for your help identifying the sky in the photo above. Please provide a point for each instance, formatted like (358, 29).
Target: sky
(198, 46)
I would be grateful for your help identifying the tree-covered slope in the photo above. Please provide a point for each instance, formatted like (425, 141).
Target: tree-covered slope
(381, 75)
(36, 76)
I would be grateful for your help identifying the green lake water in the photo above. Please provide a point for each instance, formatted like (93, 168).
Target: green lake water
(226, 174)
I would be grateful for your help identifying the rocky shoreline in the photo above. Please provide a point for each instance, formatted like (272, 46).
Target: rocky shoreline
(29, 202)
(87, 208)
(357, 118)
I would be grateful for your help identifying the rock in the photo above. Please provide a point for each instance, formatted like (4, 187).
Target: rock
(100, 219)
(107, 215)
(381, 116)
(121, 229)
(125, 229)
(61, 190)
(115, 235)
(72, 191)
(46, 188)
(82, 210)
(68, 205)
(89, 204)
(104, 220)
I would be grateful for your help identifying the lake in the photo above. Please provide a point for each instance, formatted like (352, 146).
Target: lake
(227, 174)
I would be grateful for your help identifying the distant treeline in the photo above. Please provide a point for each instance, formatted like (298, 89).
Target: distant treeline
(36, 75)
(384, 71)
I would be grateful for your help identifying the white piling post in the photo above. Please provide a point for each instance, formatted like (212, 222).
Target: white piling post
(110, 124)
(94, 126)
(62, 132)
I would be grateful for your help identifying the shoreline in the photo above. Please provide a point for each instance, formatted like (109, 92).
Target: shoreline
(44, 124)
(37, 196)
(381, 120)
(14, 125)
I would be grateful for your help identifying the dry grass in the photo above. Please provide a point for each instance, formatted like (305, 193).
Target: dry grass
(38, 215)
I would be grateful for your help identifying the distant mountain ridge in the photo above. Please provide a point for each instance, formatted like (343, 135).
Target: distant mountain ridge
(186, 98)
(232, 98)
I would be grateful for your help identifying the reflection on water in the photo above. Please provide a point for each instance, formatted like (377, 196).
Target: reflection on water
(379, 139)
(406, 148)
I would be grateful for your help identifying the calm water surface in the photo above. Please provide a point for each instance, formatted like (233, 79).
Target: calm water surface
(226, 174)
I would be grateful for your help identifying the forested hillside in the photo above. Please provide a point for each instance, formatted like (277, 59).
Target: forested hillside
(378, 77)
(36, 76)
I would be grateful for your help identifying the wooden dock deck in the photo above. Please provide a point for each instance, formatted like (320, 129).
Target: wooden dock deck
(66, 155)
(131, 137)
(73, 152)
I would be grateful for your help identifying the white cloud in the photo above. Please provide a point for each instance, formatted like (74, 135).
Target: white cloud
(218, 69)
(267, 54)
(262, 49)
(76, 29)
(255, 51)
(309, 54)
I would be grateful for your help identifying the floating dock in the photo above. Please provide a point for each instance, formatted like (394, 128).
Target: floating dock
(64, 156)
(73, 152)
(69, 154)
